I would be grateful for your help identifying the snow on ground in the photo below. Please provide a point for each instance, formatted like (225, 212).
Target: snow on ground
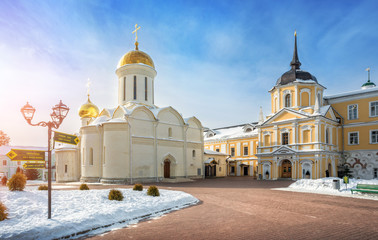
(325, 186)
(76, 211)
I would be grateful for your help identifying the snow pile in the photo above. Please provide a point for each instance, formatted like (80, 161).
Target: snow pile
(78, 211)
(325, 186)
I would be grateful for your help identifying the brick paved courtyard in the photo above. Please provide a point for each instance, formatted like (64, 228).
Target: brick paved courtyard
(243, 208)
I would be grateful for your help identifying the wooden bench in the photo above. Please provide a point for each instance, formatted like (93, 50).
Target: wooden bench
(365, 188)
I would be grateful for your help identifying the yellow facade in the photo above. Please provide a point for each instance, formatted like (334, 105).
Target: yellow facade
(307, 135)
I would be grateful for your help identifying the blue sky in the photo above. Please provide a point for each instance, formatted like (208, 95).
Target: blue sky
(215, 60)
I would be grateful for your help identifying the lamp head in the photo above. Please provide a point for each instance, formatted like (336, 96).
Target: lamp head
(28, 112)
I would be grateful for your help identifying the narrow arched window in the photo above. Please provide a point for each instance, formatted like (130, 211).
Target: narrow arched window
(124, 88)
(135, 88)
(145, 88)
(194, 153)
(287, 100)
(327, 136)
(169, 132)
(91, 156)
(319, 100)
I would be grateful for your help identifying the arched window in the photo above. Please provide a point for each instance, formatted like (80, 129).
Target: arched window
(285, 138)
(319, 99)
(145, 88)
(194, 153)
(91, 156)
(124, 88)
(135, 88)
(327, 136)
(169, 132)
(287, 100)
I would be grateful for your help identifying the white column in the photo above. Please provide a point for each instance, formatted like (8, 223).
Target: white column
(296, 96)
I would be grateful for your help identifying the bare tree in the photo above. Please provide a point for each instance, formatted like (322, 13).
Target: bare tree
(4, 139)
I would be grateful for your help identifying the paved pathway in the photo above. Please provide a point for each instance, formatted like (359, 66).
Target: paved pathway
(243, 208)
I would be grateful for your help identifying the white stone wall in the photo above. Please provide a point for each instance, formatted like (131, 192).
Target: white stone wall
(67, 157)
(116, 154)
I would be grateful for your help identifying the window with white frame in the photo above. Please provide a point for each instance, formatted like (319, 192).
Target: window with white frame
(287, 100)
(374, 136)
(352, 111)
(232, 152)
(327, 136)
(353, 138)
(245, 150)
(374, 109)
(285, 138)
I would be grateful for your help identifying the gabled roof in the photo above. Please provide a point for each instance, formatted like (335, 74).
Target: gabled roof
(231, 132)
(283, 150)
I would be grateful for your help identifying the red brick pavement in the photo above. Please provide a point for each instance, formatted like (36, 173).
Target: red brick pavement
(243, 208)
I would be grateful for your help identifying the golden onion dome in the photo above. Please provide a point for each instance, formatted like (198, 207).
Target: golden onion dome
(88, 110)
(136, 56)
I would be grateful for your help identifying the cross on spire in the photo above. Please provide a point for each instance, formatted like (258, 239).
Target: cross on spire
(136, 36)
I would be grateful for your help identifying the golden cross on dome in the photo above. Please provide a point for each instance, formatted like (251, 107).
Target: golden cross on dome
(136, 32)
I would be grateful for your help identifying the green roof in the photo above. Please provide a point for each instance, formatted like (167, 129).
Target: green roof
(368, 83)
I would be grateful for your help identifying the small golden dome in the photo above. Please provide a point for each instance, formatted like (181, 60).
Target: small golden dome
(88, 110)
(136, 56)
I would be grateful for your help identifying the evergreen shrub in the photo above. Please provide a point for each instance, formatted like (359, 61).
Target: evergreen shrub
(115, 195)
(153, 191)
(43, 187)
(17, 182)
(32, 174)
(138, 187)
(84, 187)
(3, 212)
(4, 181)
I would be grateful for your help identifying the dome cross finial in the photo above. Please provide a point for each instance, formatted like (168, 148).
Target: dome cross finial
(368, 70)
(136, 36)
(295, 63)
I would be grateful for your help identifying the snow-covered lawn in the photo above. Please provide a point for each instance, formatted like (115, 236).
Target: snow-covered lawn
(324, 186)
(76, 211)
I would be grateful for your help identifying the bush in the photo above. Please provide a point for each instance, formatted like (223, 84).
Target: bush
(138, 187)
(43, 187)
(4, 181)
(3, 212)
(17, 182)
(115, 195)
(153, 191)
(84, 187)
(32, 174)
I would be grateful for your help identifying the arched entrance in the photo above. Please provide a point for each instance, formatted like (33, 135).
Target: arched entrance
(167, 168)
(286, 169)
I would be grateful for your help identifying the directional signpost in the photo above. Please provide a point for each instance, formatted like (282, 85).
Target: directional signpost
(26, 155)
(65, 138)
(34, 165)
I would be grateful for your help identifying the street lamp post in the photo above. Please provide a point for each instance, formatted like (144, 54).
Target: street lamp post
(59, 113)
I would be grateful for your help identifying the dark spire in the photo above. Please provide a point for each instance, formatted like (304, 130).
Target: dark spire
(295, 63)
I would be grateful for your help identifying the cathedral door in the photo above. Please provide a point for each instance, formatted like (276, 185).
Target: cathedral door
(286, 169)
(167, 169)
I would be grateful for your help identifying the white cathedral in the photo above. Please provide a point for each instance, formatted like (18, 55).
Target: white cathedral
(136, 141)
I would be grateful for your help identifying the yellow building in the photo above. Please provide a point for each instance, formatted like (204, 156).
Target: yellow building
(240, 143)
(307, 134)
(215, 163)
